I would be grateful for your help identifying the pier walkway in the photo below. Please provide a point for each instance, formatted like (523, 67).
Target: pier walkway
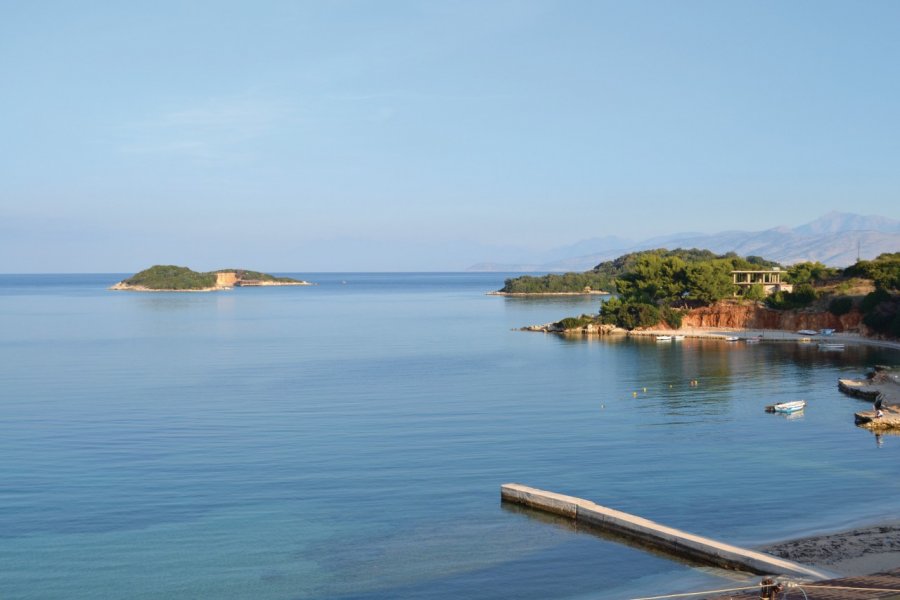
(678, 543)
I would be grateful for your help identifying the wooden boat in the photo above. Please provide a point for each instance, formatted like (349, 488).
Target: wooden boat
(664, 338)
(787, 408)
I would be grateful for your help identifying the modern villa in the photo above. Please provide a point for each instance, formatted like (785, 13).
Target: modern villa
(770, 280)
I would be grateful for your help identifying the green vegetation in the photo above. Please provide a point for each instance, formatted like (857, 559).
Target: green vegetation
(755, 293)
(576, 322)
(881, 312)
(671, 316)
(657, 286)
(809, 272)
(802, 296)
(884, 271)
(170, 277)
(245, 275)
(626, 262)
(840, 305)
(682, 277)
(628, 314)
(557, 283)
(606, 275)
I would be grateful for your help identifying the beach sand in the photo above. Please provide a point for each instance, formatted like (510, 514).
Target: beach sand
(850, 553)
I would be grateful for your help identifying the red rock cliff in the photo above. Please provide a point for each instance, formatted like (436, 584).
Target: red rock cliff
(752, 316)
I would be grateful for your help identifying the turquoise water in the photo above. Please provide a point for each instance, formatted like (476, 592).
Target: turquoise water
(348, 441)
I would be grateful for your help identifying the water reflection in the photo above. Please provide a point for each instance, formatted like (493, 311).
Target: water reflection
(578, 527)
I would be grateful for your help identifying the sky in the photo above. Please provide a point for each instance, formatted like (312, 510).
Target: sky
(383, 135)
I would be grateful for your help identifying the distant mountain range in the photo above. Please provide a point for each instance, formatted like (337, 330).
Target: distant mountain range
(833, 239)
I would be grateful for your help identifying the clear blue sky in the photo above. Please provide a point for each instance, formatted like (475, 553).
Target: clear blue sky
(382, 135)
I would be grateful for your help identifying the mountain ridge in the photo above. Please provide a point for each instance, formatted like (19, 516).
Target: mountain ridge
(833, 239)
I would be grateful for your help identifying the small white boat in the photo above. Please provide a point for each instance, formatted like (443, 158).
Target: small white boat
(807, 332)
(787, 408)
(664, 338)
(753, 340)
(831, 346)
(732, 338)
(678, 338)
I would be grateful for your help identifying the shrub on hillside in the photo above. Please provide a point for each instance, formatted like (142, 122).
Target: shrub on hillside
(671, 316)
(803, 295)
(840, 305)
(629, 315)
(873, 299)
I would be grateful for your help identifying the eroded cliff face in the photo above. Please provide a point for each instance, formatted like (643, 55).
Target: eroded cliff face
(752, 316)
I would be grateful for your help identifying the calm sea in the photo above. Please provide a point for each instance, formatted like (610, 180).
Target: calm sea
(349, 440)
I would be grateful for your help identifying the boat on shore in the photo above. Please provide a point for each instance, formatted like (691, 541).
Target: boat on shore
(787, 408)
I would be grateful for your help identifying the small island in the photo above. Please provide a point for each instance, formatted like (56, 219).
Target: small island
(170, 278)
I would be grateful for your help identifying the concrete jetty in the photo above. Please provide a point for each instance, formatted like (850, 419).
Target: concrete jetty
(858, 389)
(674, 541)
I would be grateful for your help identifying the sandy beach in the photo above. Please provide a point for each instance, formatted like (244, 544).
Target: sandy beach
(850, 553)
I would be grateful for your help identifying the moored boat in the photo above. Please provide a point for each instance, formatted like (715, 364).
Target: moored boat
(807, 332)
(831, 346)
(664, 338)
(732, 338)
(678, 338)
(787, 408)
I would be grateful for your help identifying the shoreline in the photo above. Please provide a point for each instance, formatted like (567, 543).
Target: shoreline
(720, 333)
(851, 552)
(124, 287)
(536, 294)
(768, 335)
